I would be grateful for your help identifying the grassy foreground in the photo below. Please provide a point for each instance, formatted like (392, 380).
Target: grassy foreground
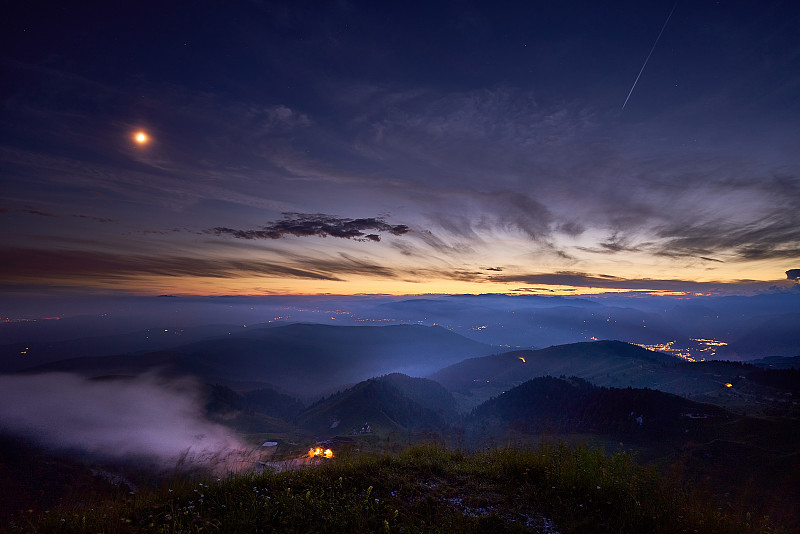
(553, 488)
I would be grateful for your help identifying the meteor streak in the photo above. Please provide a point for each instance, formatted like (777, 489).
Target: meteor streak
(650, 54)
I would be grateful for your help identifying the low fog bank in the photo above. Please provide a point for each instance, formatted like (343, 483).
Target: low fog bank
(141, 418)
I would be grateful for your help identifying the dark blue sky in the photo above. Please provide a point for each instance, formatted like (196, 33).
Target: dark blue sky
(357, 147)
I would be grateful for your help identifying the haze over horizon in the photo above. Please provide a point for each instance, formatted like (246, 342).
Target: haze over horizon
(260, 147)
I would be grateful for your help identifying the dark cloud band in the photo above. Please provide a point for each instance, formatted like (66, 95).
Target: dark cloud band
(603, 281)
(321, 225)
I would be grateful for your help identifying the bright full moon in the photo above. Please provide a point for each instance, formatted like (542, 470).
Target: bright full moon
(141, 138)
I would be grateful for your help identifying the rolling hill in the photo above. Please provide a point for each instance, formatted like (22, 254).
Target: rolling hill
(617, 364)
(573, 405)
(390, 403)
(604, 363)
(738, 456)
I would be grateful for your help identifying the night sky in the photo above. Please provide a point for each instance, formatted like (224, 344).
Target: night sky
(399, 148)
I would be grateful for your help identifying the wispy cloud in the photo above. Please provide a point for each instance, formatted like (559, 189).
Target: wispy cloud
(32, 264)
(28, 210)
(759, 236)
(479, 175)
(345, 265)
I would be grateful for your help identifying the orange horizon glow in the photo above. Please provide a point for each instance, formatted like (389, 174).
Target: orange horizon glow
(214, 287)
(148, 284)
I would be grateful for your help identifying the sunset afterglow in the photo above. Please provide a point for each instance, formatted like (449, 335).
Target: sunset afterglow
(473, 247)
(461, 163)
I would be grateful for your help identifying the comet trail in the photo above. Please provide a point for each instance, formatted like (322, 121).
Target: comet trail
(650, 54)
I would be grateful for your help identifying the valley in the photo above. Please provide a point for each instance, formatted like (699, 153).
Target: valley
(728, 429)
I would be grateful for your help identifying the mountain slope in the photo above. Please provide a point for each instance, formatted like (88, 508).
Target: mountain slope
(602, 362)
(574, 405)
(742, 455)
(427, 393)
(597, 358)
(393, 402)
(734, 385)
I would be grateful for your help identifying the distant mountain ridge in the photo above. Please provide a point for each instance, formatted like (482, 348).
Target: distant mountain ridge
(777, 362)
(779, 335)
(17, 356)
(300, 358)
(308, 360)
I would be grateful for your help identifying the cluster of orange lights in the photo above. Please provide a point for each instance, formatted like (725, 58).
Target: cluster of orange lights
(318, 451)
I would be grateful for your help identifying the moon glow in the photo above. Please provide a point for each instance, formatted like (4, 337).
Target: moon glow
(141, 138)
